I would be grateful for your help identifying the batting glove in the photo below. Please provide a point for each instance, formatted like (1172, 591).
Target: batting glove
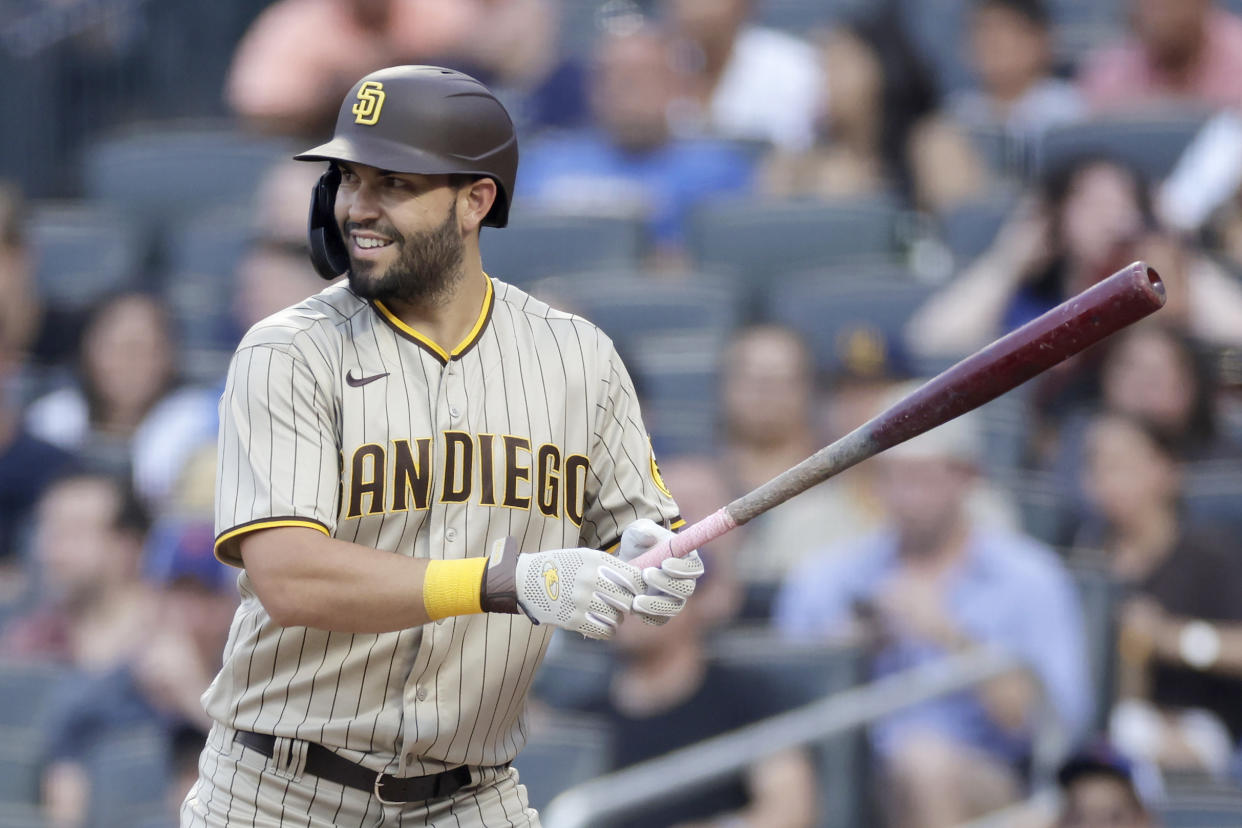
(582, 590)
(665, 588)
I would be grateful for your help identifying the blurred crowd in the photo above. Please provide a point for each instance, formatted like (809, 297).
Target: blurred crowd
(786, 214)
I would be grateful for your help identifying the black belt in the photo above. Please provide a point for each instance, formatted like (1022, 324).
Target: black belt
(388, 789)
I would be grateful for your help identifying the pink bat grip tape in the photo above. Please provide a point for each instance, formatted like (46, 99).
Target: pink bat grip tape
(687, 540)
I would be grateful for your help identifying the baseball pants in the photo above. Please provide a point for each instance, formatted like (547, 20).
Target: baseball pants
(240, 786)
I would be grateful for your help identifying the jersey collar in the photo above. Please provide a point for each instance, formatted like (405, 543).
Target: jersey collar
(489, 299)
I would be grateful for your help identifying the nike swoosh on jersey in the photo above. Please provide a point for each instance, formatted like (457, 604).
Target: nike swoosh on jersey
(358, 382)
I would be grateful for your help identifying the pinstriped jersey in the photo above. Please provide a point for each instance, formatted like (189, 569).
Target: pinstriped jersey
(339, 417)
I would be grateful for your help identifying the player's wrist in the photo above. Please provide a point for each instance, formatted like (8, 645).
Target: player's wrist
(498, 589)
(453, 587)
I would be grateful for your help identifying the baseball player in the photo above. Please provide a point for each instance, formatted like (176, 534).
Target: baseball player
(422, 472)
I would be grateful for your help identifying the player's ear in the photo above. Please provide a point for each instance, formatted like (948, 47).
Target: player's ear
(474, 200)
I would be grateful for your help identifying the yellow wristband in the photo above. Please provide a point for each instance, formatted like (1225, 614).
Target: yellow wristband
(453, 587)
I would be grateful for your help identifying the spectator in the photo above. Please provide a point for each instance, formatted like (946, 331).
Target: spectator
(877, 127)
(1181, 51)
(39, 335)
(274, 273)
(158, 687)
(666, 693)
(630, 163)
(1181, 626)
(1011, 49)
(747, 81)
(1092, 217)
(1159, 374)
(126, 371)
(93, 607)
(514, 49)
(933, 582)
(301, 55)
(21, 311)
(767, 397)
(1151, 372)
(1099, 791)
(28, 466)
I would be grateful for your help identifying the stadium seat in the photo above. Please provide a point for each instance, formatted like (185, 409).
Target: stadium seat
(650, 319)
(1004, 425)
(1040, 498)
(83, 252)
(25, 688)
(535, 245)
(574, 672)
(19, 766)
(803, 16)
(681, 402)
(1007, 155)
(200, 308)
(762, 240)
(1212, 492)
(1150, 142)
(210, 243)
(969, 229)
(201, 261)
(1078, 27)
(800, 674)
(1193, 812)
(938, 29)
(160, 174)
(560, 753)
(832, 306)
(1100, 594)
(129, 775)
(630, 305)
(21, 815)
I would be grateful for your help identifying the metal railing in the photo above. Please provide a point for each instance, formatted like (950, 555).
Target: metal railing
(688, 768)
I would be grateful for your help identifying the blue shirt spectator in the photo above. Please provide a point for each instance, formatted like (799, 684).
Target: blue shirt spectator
(629, 162)
(1007, 591)
(936, 581)
(587, 172)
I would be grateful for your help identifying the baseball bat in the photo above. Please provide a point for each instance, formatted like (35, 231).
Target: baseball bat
(1072, 326)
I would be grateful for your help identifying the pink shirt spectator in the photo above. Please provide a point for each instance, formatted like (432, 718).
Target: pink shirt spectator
(302, 55)
(1123, 76)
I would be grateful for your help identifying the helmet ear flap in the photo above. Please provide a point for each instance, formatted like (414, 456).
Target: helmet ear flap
(327, 249)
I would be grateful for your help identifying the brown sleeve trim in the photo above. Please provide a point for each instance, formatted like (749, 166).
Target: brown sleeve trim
(226, 545)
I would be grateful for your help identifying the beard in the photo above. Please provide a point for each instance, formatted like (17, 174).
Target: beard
(428, 264)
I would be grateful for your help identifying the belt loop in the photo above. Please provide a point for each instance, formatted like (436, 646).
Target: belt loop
(226, 737)
(288, 758)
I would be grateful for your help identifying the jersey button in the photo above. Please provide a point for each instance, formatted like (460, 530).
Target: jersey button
(421, 695)
(454, 412)
(450, 535)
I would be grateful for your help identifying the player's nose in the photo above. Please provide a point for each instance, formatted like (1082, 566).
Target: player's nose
(361, 204)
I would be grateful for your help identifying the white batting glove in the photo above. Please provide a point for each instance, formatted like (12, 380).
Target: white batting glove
(665, 588)
(582, 590)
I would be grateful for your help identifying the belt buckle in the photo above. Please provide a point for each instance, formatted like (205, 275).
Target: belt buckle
(379, 783)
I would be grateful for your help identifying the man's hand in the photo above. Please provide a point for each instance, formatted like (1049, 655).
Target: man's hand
(583, 590)
(666, 587)
(914, 606)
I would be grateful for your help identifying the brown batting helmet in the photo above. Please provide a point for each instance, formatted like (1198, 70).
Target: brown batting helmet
(412, 119)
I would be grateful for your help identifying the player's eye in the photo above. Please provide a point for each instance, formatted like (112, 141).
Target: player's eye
(392, 182)
(348, 176)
